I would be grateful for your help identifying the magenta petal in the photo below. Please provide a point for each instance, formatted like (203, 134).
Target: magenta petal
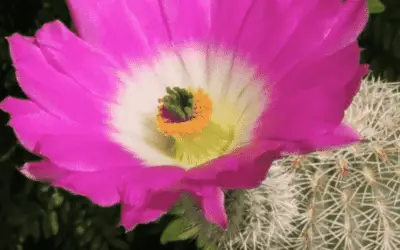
(245, 168)
(40, 122)
(53, 91)
(101, 187)
(110, 26)
(152, 179)
(92, 69)
(350, 22)
(341, 136)
(330, 72)
(149, 210)
(227, 20)
(237, 25)
(251, 172)
(309, 34)
(316, 105)
(353, 86)
(173, 21)
(16, 106)
(66, 144)
(85, 152)
(212, 202)
(149, 193)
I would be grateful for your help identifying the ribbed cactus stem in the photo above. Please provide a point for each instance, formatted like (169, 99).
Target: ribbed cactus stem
(349, 198)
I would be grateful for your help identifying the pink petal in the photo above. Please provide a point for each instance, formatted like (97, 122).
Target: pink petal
(89, 67)
(109, 25)
(245, 168)
(67, 144)
(330, 26)
(355, 83)
(350, 22)
(308, 35)
(53, 91)
(101, 187)
(251, 171)
(144, 181)
(212, 202)
(237, 26)
(342, 135)
(149, 193)
(149, 210)
(314, 29)
(16, 106)
(85, 152)
(173, 21)
(317, 103)
(31, 123)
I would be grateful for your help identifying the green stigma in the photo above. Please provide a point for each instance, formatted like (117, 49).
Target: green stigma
(179, 102)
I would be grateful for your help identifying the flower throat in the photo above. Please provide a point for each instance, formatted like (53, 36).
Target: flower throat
(184, 115)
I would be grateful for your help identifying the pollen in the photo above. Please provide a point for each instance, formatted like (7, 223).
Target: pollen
(184, 112)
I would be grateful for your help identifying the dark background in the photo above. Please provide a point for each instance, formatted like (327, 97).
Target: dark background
(36, 216)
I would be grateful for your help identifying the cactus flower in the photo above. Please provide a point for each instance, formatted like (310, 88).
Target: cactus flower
(155, 98)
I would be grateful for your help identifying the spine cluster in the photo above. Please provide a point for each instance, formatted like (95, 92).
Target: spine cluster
(349, 198)
(343, 199)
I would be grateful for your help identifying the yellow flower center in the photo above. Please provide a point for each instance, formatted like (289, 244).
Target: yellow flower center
(195, 138)
(178, 126)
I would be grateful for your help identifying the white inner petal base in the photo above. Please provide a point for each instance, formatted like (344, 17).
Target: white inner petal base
(239, 97)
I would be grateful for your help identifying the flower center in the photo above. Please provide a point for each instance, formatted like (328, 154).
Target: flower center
(183, 112)
(185, 117)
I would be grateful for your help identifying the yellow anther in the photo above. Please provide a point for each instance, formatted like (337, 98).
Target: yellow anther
(202, 109)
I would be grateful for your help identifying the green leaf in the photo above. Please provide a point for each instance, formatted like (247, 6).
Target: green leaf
(54, 223)
(178, 230)
(203, 243)
(375, 6)
(177, 210)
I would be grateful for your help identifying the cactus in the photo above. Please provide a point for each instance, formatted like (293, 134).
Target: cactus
(349, 198)
(343, 199)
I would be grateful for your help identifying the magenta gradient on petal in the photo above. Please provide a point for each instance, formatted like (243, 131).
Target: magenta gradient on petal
(52, 90)
(306, 51)
(89, 67)
(109, 25)
(240, 169)
(101, 187)
(148, 211)
(40, 122)
(211, 200)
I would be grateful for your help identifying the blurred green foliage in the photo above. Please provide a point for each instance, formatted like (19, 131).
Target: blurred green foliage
(36, 216)
(381, 42)
(375, 6)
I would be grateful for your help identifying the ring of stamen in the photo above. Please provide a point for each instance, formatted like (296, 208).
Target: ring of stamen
(200, 117)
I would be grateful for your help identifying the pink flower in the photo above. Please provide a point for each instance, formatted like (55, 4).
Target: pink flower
(254, 79)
